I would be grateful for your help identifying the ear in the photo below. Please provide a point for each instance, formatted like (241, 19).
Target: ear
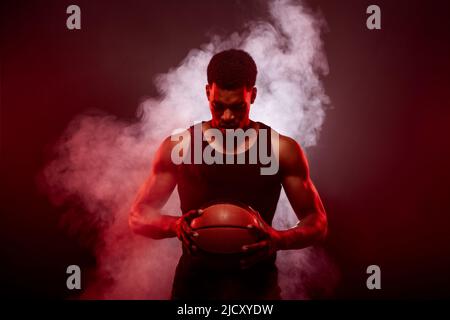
(253, 97)
(207, 88)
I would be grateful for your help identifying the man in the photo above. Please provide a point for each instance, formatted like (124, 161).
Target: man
(230, 92)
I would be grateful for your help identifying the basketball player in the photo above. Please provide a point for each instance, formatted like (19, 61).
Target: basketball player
(230, 91)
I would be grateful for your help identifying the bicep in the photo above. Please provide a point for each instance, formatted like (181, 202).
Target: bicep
(156, 190)
(296, 181)
(160, 183)
(302, 195)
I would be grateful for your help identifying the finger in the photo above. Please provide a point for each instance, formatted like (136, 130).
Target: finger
(183, 228)
(259, 218)
(189, 235)
(191, 214)
(186, 244)
(188, 230)
(257, 231)
(255, 246)
(183, 239)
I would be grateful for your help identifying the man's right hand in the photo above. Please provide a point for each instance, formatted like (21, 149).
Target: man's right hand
(184, 231)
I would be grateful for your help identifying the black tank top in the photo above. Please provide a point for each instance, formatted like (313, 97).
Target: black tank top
(199, 184)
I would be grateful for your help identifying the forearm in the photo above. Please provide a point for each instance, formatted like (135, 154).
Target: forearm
(311, 230)
(153, 224)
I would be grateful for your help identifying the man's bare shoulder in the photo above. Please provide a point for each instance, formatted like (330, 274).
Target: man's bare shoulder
(171, 141)
(292, 157)
(163, 157)
(287, 145)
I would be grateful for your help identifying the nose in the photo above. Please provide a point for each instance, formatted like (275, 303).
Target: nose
(227, 115)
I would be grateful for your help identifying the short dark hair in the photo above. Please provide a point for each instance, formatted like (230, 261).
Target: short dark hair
(232, 69)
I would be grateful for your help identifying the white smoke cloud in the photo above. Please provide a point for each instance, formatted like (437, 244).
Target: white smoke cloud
(101, 161)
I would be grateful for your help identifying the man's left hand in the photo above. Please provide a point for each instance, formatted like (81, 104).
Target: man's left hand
(264, 249)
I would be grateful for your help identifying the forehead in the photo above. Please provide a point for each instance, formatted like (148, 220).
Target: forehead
(227, 96)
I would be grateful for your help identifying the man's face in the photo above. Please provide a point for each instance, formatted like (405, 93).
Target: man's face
(230, 108)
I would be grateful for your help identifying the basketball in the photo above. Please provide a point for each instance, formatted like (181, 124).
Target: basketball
(223, 228)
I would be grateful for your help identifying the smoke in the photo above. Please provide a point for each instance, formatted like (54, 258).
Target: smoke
(100, 161)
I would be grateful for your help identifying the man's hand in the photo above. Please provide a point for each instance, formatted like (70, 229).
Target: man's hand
(184, 231)
(264, 249)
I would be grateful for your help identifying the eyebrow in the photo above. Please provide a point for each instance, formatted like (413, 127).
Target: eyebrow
(228, 104)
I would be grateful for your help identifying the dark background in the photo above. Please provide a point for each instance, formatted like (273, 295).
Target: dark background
(381, 164)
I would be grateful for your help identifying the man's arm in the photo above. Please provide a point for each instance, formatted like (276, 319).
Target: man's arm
(145, 217)
(303, 198)
(305, 201)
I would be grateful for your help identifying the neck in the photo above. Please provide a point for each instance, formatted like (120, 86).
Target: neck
(249, 124)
